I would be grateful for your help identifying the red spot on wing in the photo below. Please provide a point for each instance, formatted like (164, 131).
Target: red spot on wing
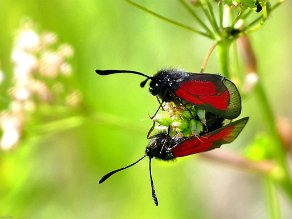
(204, 93)
(199, 87)
(220, 101)
(211, 140)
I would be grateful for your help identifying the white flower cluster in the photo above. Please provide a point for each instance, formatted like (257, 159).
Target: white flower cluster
(37, 59)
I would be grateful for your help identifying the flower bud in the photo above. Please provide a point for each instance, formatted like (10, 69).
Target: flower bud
(196, 126)
(180, 125)
(163, 119)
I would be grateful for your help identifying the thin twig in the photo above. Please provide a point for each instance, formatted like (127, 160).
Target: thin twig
(246, 13)
(117, 121)
(206, 59)
(169, 20)
(213, 17)
(189, 9)
(237, 18)
(206, 12)
(221, 8)
(236, 160)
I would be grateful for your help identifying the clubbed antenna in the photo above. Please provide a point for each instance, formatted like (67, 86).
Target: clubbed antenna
(154, 197)
(105, 177)
(109, 72)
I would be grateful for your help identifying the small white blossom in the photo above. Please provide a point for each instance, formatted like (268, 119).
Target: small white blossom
(28, 40)
(1, 76)
(38, 64)
(49, 39)
(66, 69)
(9, 138)
(21, 93)
(25, 63)
(66, 51)
(41, 90)
(49, 64)
(251, 80)
(239, 24)
(11, 126)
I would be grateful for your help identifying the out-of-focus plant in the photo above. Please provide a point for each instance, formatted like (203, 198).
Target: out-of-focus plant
(38, 86)
(228, 24)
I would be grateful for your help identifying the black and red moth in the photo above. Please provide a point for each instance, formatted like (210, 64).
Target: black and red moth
(211, 92)
(164, 147)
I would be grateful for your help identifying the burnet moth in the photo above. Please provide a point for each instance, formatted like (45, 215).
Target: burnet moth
(164, 147)
(211, 92)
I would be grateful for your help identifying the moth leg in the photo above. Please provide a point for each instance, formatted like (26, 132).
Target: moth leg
(166, 141)
(160, 106)
(151, 129)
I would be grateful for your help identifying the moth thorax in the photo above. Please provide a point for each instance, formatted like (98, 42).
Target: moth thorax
(159, 147)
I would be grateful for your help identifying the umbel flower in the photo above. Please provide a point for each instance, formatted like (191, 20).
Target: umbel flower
(40, 66)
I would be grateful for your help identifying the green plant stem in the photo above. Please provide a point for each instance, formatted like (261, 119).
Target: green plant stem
(268, 117)
(236, 65)
(169, 20)
(272, 199)
(213, 17)
(279, 153)
(223, 56)
(117, 121)
(221, 9)
(246, 13)
(59, 125)
(237, 18)
(267, 112)
(210, 19)
(75, 121)
(189, 9)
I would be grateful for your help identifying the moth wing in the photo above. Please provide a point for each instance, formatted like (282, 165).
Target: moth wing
(211, 92)
(211, 140)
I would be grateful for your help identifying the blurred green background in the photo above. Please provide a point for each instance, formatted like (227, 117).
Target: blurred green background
(55, 175)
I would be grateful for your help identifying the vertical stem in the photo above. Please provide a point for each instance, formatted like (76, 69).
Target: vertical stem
(221, 8)
(279, 154)
(224, 45)
(268, 115)
(272, 200)
(223, 55)
(278, 148)
(239, 74)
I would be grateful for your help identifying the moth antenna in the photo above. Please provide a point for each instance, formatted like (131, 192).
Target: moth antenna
(142, 84)
(106, 176)
(109, 72)
(154, 197)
